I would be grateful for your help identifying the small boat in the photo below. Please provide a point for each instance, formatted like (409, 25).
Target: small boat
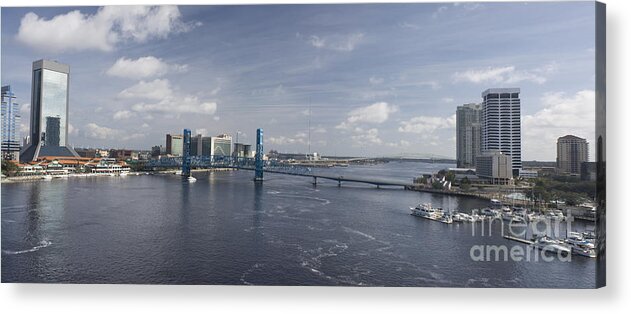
(490, 213)
(446, 219)
(191, 179)
(47, 177)
(517, 220)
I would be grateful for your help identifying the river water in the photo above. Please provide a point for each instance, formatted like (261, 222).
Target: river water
(226, 229)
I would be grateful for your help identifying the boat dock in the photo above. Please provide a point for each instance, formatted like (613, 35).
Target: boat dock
(521, 240)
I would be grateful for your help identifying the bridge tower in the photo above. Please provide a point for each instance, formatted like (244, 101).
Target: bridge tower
(258, 158)
(186, 153)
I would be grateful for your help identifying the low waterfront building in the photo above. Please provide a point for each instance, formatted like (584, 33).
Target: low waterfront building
(494, 166)
(528, 173)
(107, 166)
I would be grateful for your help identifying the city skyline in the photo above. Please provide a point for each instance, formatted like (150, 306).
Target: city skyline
(381, 81)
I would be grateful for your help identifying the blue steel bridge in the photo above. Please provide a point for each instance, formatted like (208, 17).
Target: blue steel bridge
(257, 164)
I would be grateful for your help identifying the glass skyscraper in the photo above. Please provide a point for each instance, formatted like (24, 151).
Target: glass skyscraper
(49, 111)
(10, 125)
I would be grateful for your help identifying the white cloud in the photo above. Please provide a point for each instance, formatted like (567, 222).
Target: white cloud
(72, 130)
(370, 136)
(299, 138)
(159, 97)
(110, 25)
(506, 75)
(95, 131)
(439, 11)
(202, 131)
(144, 67)
(25, 111)
(375, 80)
(447, 100)
(123, 115)
(187, 104)
(156, 89)
(409, 25)
(561, 115)
(335, 42)
(426, 125)
(319, 129)
(399, 144)
(376, 113)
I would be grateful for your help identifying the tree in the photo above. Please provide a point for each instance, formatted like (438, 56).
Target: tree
(465, 184)
(9, 168)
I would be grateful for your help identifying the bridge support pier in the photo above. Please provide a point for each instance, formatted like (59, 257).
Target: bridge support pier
(315, 181)
(378, 186)
(339, 183)
(258, 157)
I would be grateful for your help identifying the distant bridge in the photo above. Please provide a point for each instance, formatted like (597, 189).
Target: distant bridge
(257, 164)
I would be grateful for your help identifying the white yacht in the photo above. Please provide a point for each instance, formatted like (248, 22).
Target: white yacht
(551, 245)
(580, 245)
(462, 217)
(47, 177)
(426, 211)
(191, 179)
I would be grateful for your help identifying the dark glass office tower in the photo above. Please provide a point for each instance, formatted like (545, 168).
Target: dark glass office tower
(49, 105)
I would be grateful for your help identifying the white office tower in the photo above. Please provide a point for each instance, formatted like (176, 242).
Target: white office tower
(501, 123)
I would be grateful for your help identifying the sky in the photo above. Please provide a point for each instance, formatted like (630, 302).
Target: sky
(370, 79)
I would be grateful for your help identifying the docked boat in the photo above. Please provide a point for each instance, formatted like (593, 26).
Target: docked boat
(426, 211)
(446, 219)
(490, 213)
(551, 245)
(462, 217)
(47, 177)
(517, 220)
(507, 214)
(580, 245)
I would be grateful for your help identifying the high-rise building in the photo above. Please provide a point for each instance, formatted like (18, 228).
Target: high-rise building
(242, 150)
(49, 104)
(10, 125)
(206, 145)
(174, 144)
(501, 123)
(468, 134)
(196, 145)
(572, 151)
(221, 145)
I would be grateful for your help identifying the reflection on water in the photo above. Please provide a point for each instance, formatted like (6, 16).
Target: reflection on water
(227, 229)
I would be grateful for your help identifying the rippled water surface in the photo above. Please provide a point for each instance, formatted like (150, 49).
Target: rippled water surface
(225, 229)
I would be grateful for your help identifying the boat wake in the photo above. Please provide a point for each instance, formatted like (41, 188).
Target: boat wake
(347, 229)
(42, 244)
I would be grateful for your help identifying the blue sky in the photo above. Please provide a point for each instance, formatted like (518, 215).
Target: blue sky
(381, 80)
